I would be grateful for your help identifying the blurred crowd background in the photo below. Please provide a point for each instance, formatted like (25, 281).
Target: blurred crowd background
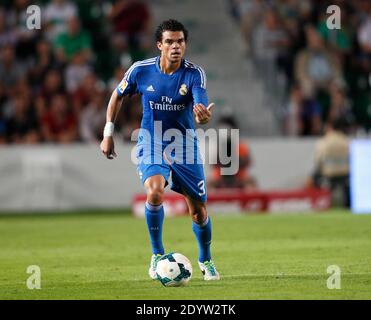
(313, 75)
(55, 82)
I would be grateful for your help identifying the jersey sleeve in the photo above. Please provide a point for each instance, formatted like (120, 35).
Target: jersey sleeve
(128, 84)
(199, 87)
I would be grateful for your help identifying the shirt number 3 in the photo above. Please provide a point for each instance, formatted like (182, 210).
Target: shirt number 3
(201, 186)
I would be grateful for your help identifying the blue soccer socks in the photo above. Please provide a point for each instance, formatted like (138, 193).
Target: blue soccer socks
(203, 236)
(155, 218)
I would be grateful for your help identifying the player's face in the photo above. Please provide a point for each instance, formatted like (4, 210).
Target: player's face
(172, 46)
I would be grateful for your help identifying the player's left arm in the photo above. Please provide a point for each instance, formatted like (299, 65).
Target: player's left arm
(200, 100)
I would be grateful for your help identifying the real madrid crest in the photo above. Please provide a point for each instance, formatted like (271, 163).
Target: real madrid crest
(183, 89)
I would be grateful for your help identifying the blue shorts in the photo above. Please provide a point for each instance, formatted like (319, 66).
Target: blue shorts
(186, 178)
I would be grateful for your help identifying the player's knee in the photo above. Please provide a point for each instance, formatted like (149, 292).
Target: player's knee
(199, 214)
(155, 195)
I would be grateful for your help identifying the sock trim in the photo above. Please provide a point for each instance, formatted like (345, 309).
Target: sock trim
(201, 225)
(153, 207)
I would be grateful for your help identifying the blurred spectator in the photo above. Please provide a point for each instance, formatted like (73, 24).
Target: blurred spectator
(235, 9)
(137, 17)
(59, 123)
(303, 114)
(51, 86)
(87, 89)
(250, 14)
(74, 41)
(242, 179)
(93, 119)
(293, 9)
(56, 15)
(340, 109)
(3, 133)
(76, 72)
(332, 161)
(362, 109)
(121, 54)
(8, 36)
(17, 19)
(291, 12)
(270, 40)
(11, 71)
(364, 35)
(270, 44)
(22, 127)
(316, 67)
(131, 20)
(43, 62)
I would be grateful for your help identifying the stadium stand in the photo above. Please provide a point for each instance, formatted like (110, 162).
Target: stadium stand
(83, 50)
(269, 73)
(311, 73)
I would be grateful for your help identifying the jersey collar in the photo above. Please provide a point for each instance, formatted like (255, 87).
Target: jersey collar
(169, 75)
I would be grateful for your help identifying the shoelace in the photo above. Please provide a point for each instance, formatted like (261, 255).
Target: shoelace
(210, 267)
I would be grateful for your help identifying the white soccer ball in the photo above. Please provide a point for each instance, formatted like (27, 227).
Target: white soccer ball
(174, 270)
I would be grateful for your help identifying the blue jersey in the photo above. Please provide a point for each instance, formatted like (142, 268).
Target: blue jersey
(166, 98)
(168, 101)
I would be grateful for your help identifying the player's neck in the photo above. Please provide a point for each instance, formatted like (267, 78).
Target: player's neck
(168, 67)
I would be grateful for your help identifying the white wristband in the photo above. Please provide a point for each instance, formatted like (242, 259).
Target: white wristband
(108, 129)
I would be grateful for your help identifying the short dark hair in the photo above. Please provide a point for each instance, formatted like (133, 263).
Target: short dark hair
(340, 124)
(170, 25)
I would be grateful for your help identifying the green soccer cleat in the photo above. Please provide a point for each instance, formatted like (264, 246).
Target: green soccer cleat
(208, 270)
(152, 268)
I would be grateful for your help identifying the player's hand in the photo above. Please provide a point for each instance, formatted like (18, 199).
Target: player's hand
(202, 114)
(107, 147)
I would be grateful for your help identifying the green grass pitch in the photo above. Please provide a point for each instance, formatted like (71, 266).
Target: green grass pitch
(105, 255)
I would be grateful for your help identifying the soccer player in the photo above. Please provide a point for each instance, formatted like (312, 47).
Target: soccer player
(173, 90)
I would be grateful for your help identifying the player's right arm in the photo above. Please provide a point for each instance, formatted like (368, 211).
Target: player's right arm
(107, 145)
(127, 86)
